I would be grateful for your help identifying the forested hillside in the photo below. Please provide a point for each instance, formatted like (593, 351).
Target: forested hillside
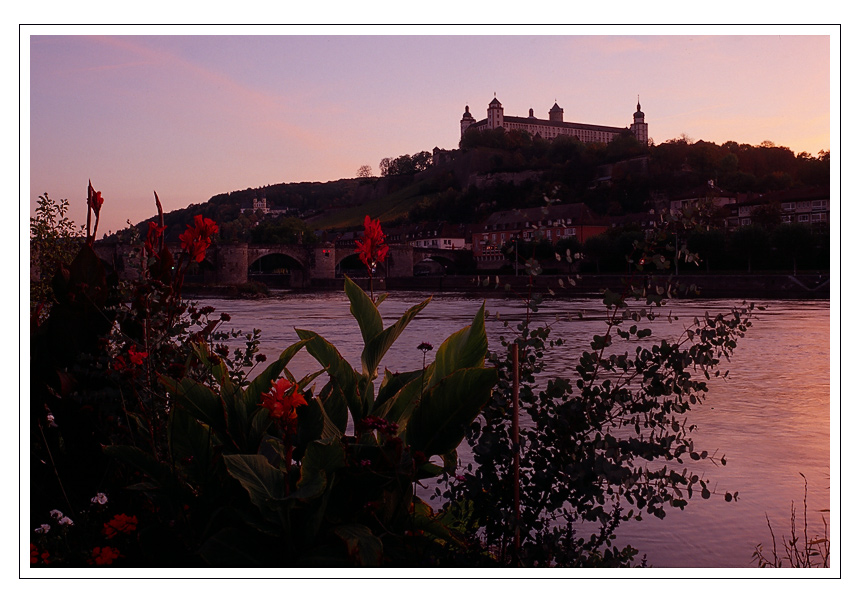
(495, 170)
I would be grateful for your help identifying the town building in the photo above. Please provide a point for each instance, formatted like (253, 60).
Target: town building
(553, 223)
(260, 204)
(809, 206)
(554, 126)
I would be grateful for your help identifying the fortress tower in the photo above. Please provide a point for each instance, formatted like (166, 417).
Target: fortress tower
(467, 121)
(639, 127)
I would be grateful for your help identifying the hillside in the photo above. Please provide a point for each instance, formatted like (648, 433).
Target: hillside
(504, 170)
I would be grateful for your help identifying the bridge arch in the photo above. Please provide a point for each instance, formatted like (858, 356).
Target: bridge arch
(276, 269)
(255, 255)
(349, 264)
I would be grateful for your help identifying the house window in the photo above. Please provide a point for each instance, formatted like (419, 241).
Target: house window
(745, 221)
(819, 204)
(819, 217)
(803, 218)
(786, 218)
(788, 206)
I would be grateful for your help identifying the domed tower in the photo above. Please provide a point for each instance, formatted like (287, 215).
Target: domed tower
(639, 127)
(556, 113)
(495, 114)
(467, 121)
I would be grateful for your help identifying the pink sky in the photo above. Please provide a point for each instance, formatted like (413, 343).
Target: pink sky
(192, 116)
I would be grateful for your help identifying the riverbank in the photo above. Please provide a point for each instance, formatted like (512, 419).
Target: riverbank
(706, 286)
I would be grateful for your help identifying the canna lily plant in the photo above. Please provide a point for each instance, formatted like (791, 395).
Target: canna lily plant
(308, 482)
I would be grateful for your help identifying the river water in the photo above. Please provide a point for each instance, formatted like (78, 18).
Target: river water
(771, 419)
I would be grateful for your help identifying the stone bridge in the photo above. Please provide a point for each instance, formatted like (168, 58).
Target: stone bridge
(292, 266)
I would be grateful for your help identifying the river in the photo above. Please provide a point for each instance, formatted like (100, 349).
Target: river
(771, 419)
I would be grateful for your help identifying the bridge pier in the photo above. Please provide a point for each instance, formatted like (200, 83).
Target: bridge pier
(231, 263)
(322, 261)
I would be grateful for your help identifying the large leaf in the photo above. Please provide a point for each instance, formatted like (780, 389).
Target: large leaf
(321, 459)
(439, 422)
(323, 455)
(433, 523)
(190, 444)
(373, 351)
(464, 349)
(216, 368)
(334, 407)
(263, 482)
(365, 311)
(363, 547)
(144, 462)
(392, 383)
(398, 408)
(200, 401)
(340, 371)
(232, 547)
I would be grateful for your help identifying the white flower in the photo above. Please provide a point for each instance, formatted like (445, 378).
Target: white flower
(99, 498)
(56, 514)
(43, 529)
(51, 423)
(66, 521)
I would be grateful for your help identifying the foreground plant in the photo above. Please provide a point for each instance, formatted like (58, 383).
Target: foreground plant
(606, 444)
(800, 549)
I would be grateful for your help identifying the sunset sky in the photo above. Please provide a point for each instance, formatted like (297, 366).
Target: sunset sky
(192, 116)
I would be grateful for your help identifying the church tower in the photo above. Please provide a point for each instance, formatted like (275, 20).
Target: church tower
(639, 127)
(556, 113)
(495, 114)
(467, 121)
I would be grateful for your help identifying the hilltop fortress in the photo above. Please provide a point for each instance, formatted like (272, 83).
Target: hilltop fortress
(554, 126)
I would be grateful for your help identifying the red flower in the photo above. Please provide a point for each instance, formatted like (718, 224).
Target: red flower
(372, 248)
(104, 555)
(196, 239)
(135, 356)
(152, 236)
(94, 199)
(195, 246)
(120, 524)
(205, 227)
(283, 402)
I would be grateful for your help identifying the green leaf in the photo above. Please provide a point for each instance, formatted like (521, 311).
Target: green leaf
(399, 407)
(438, 424)
(263, 482)
(231, 547)
(464, 349)
(341, 372)
(392, 383)
(364, 310)
(142, 461)
(217, 368)
(322, 458)
(203, 403)
(363, 547)
(374, 350)
(323, 455)
(190, 443)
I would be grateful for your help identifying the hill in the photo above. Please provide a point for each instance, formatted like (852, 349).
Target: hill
(499, 170)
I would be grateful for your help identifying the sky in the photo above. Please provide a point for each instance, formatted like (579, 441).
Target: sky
(192, 116)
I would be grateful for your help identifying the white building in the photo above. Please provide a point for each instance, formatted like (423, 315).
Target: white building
(554, 126)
